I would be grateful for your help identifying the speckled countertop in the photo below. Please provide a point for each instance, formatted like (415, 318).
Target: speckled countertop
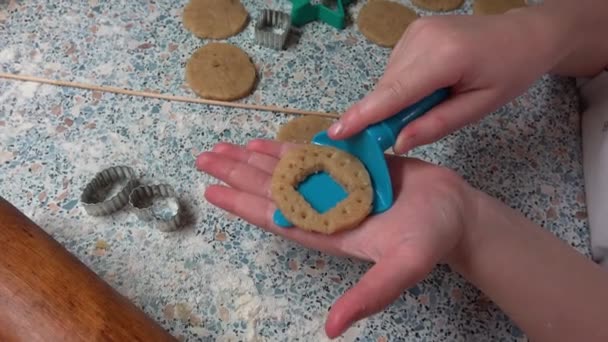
(223, 279)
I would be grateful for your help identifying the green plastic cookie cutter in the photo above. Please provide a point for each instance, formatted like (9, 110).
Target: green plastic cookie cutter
(303, 12)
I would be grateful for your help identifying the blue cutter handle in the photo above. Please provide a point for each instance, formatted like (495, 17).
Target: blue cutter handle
(386, 132)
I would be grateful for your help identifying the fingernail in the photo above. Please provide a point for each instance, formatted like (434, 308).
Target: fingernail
(336, 128)
(201, 160)
(402, 144)
(398, 151)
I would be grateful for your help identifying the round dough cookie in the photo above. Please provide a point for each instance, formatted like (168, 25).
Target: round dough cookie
(299, 163)
(438, 5)
(220, 71)
(492, 7)
(383, 22)
(215, 19)
(302, 129)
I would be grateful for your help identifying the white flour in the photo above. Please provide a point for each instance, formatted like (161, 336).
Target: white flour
(236, 289)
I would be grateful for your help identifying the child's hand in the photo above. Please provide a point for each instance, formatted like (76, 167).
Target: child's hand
(422, 229)
(486, 61)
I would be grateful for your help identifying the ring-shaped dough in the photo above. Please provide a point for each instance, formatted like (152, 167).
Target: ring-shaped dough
(298, 164)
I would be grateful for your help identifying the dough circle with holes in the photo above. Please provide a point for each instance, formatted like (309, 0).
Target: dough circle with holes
(299, 163)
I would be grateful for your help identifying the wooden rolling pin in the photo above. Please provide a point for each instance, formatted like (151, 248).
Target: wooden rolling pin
(47, 294)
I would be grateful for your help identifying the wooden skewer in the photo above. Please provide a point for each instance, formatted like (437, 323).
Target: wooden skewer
(116, 90)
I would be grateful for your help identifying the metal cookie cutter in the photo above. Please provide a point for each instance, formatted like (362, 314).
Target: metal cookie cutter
(109, 190)
(157, 204)
(272, 29)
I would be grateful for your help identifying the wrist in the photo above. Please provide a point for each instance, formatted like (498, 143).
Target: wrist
(462, 253)
(483, 217)
(551, 34)
(472, 205)
(576, 30)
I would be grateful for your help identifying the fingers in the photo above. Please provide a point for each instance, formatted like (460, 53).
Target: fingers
(271, 148)
(400, 87)
(239, 153)
(446, 118)
(259, 211)
(251, 208)
(377, 289)
(416, 69)
(237, 174)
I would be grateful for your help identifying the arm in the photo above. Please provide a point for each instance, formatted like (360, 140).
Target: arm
(552, 292)
(582, 27)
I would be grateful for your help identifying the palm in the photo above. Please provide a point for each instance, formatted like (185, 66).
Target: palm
(422, 226)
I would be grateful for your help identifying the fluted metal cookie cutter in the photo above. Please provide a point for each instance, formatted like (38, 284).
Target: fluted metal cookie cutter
(272, 29)
(145, 200)
(109, 190)
(116, 187)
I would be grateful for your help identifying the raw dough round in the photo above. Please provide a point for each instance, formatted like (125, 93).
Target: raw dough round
(438, 5)
(302, 129)
(215, 19)
(220, 71)
(344, 168)
(383, 22)
(491, 7)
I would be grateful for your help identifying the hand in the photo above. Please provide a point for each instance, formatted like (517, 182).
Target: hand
(486, 61)
(422, 229)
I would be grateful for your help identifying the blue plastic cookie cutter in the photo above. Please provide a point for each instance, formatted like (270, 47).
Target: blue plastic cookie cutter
(303, 12)
(323, 193)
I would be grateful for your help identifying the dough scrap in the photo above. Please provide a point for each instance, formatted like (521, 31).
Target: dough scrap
(215, 19)
(297, 164)
(438, 5)
(383, 22)
(220, 71)
(493, 7)
(302, 129)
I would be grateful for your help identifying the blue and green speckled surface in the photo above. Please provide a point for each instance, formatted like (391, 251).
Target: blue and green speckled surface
(223, 279)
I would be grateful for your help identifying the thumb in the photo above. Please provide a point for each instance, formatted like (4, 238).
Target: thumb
(376, 290)
(396, 90)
